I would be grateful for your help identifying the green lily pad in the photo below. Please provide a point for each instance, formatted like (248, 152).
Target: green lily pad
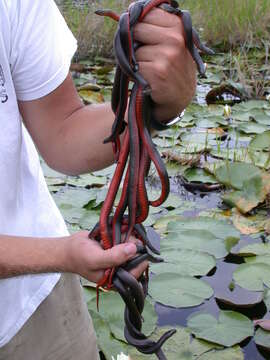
(251, 195)
(261, 141)
(235, 174)
(111, 309)
(252, 276)
(177, 347)
(214, 353)
(230, 329)
(202, 240)
(255, 249)
(261, 259)
(220, 228)
(89, 219)
(252, 104)
(87, 180)
(179, 291)
(252, 128)
(185, 262)
(105, 340)
(199, 175)
(91, 97)
(262, 338)
(78, 197)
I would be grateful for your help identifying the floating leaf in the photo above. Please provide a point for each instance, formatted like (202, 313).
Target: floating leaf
(231, 328)
(179, 291)
(87, 180)
(213, 352)
(255, 249)
(262, 338)
(91, 97)
(202, 240)
(177, 347)
(220, 228)
(185, 262)
(252, 276)
(253, 193)
(262, 259)
(111, 309)
(252, 128)
(262, 141)
(199, 175)
(235, 174)
(106, 342)
(249, 224)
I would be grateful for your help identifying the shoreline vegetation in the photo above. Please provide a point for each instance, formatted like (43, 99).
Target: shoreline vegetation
(239, 29)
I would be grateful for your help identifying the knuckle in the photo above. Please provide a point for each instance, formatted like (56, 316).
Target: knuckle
(177, 39)
(172, 55)
(161, 69)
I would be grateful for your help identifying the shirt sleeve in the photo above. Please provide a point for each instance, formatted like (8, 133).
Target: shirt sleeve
(42, 47)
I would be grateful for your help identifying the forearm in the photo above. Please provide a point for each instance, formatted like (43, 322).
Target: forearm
(80, 148)
(28, 255)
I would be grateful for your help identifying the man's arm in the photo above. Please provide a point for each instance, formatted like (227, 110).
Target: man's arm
(70, 136)
(75, 254)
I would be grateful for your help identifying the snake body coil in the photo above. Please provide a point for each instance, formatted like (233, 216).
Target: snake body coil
(134, 157)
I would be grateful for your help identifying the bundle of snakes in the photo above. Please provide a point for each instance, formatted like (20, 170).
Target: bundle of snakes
(134, 155)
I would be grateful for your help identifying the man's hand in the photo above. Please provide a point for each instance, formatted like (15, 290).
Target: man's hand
(76, 254)
(88, 259)
(165, 62)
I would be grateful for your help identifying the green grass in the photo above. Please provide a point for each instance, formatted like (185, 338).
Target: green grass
(226, 24)
(94, 34)
(230, 23)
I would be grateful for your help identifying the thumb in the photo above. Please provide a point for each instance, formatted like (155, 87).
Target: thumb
(117, 255)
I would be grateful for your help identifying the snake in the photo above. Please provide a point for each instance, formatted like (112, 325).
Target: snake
(134, 155)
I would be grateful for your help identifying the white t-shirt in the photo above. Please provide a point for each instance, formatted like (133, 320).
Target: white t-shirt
(35, 52)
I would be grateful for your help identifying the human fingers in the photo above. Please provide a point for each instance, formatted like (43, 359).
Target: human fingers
(160, 17)
(149, 34)
(115, 256)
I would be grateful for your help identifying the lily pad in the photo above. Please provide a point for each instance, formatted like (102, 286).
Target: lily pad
(199, 175)
(254, 192)
(262, 259)
(262, 338)
(249, 224)
(230, 329)
(177, 347)
(252, 276)
(255, 249)
(105, 340)
(179, 291)
(202, 240)
(185, 262)
(252, 128)
(262, 141)
(235, 174)
(111, 309)
(220, 228)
